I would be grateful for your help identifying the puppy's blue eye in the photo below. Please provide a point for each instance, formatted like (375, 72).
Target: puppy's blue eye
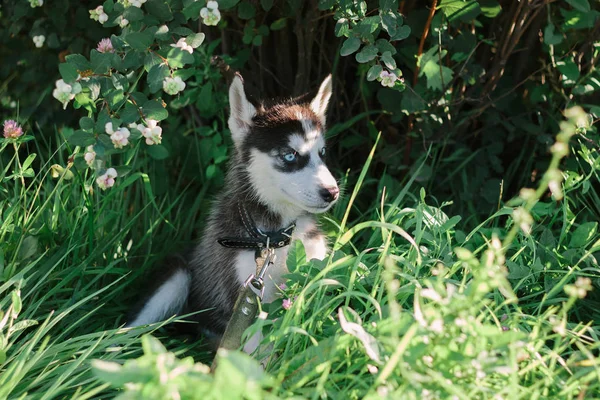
(290, 156)
(322, 152)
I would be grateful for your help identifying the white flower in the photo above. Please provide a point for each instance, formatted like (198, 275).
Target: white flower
(90, 156)
(36, 3)
(65, 92)
(98, 14)
(388, 78)
(152, 132)
(108, 128)
(173, 85)
(120, 137)
(211, 14)
(122, 22)
(437, 326)
(107, 180)
(39, 40)
(181, 43)
(137, 3)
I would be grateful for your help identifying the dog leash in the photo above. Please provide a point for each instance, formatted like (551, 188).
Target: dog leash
(252, 291)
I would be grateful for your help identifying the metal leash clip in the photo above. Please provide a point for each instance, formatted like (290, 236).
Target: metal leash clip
(256, 283)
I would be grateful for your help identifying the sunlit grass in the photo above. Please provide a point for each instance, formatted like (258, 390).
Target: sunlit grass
(410, 304)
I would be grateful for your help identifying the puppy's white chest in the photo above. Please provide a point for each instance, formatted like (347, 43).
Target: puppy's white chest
(245, 265)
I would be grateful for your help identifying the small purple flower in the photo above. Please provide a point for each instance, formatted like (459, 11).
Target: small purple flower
(105, 46)
(287, 304)
(283, 286)
(12, 130)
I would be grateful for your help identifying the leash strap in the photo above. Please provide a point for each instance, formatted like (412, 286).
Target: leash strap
(246, 305)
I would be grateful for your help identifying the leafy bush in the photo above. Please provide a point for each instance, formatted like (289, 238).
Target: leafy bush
(487, 292)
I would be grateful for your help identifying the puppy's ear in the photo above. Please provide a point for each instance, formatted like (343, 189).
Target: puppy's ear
(321, 101)
(242, 111)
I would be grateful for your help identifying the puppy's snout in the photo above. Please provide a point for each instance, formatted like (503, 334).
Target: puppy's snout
(329, 194)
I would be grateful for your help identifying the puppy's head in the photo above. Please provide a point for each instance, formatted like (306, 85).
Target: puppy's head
(283, 148)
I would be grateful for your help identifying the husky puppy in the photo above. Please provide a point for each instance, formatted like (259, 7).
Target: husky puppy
(277, 180)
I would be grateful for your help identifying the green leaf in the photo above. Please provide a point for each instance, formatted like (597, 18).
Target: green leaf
(16, 298)
(83, 99)
(278, 24)
(153, 109)
(152, 345)
(296, 256)
(68, 72)
(350, 45)
(367, 26)
(437, 76)
(490, 8)
(156, 77)
(227, 4)
(132, 60)
(342, 27)
(257, 40)
(177, 58)
(575, 19)
(81, 138)
(374, 72)
(151, 60)
(115, 98)
(402, 33)
(246, 10)
(569, 70)
(192, 10)
(139, 40)
(411, 102)
(108, 5)
(87, 124)
(205, 99)
(583, 235)
(101, 62)
(464, 10)
(129, 114)
(195, 39)
(367, 54)
(183, 31)
(389, 22)
(79, 61)
(160, 9)
(384, 45)
(157, 151)
(263, 30)
(133, 14)
(388, 60)
(266, 4)
(550, 37)
(581, 5)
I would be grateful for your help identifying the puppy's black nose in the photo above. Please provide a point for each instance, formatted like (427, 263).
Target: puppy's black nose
(329, 194)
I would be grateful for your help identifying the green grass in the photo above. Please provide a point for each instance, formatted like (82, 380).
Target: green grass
(411, 303)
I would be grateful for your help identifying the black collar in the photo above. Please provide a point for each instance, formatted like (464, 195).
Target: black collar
(258, 239)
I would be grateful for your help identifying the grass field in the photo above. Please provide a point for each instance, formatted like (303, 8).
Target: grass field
(412, 303)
